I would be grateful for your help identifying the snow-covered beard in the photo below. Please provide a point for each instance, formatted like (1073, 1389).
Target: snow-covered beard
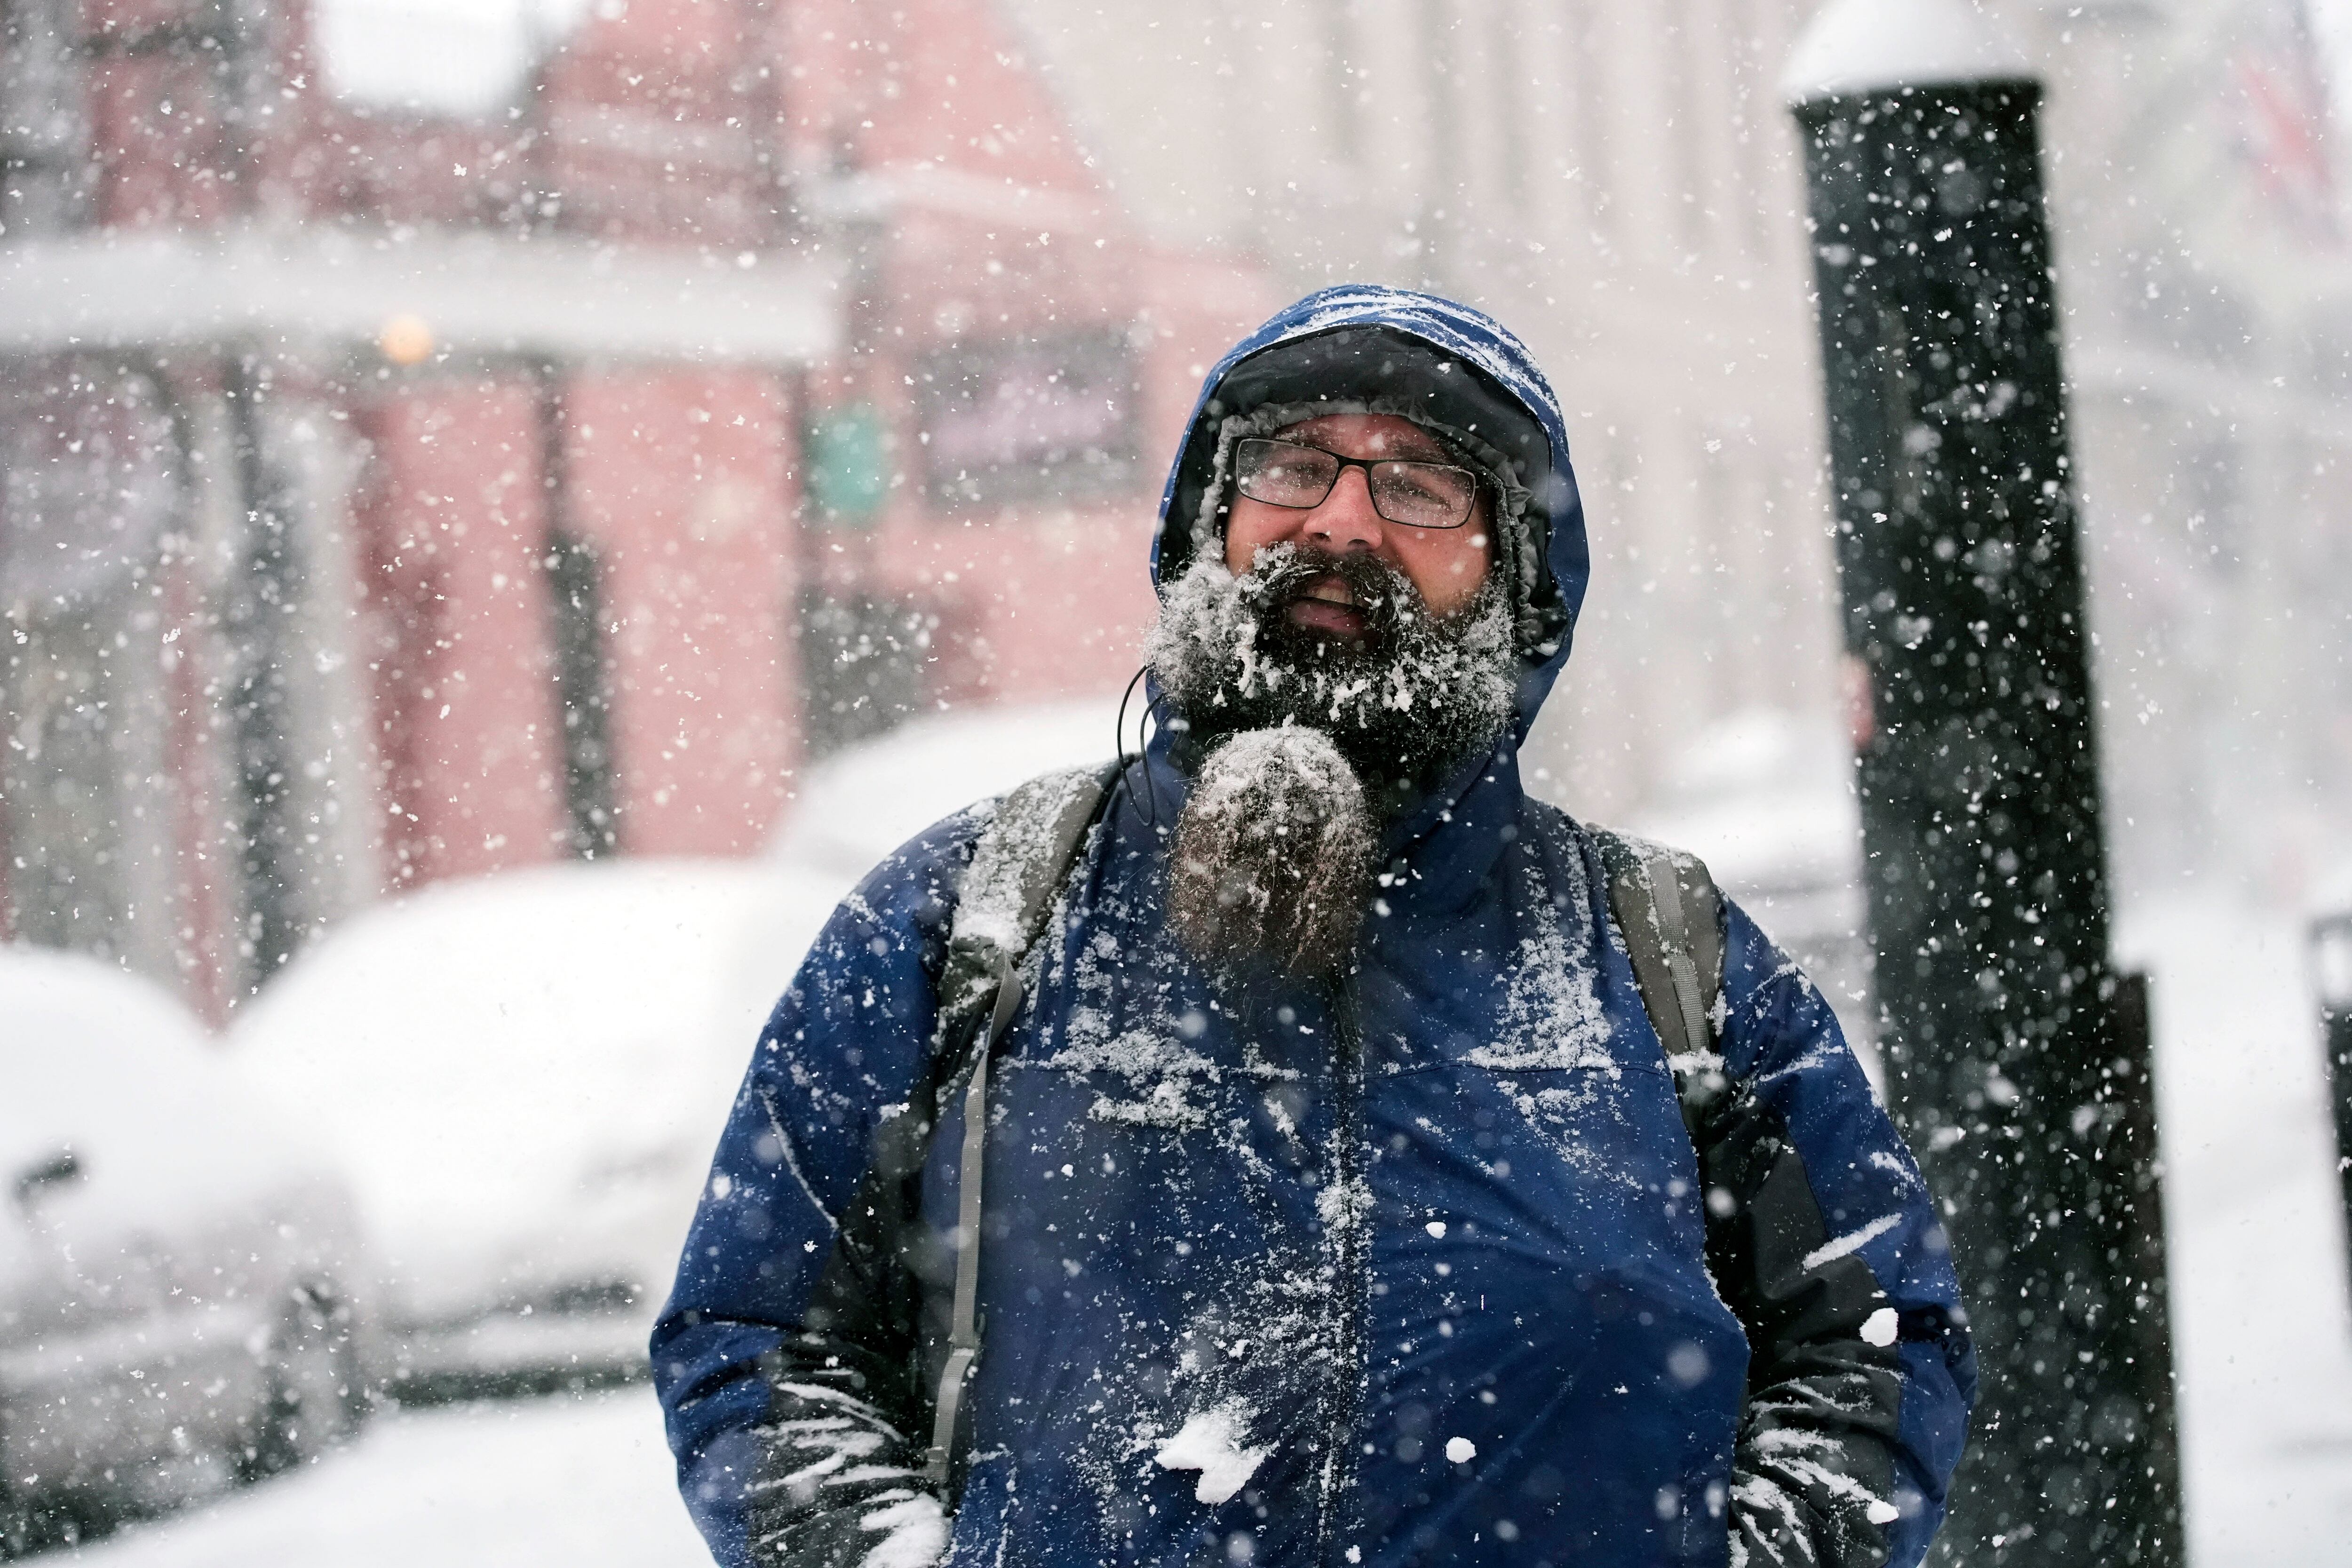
(1272, 864)
(1299, 741)
(1413, 698)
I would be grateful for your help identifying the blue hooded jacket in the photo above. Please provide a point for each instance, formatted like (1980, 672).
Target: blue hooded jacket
(1426, 1268)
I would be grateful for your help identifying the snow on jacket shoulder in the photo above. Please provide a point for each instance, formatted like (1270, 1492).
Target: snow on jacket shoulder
(1425, 1268)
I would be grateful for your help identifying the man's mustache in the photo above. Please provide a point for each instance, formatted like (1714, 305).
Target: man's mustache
(1402, 691)
(1383, 596)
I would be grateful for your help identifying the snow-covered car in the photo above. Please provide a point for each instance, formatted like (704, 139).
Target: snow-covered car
(1767, 799)
(180, 1285)
(525, 1075)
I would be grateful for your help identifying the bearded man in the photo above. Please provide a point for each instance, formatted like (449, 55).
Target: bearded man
(1304, 1176)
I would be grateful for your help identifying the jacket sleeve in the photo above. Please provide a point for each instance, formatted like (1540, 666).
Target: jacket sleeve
(785, 1358)
(1823, 1239)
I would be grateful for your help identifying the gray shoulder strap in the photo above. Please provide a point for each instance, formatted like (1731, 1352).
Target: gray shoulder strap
(1017, 869)
(1671, 913)
(1018, 866)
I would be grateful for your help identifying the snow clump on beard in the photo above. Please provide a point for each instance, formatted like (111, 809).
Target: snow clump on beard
(1272, 864)
(1414, 696)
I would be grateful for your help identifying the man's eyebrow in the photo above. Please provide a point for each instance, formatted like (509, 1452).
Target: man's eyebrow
(1418, 447)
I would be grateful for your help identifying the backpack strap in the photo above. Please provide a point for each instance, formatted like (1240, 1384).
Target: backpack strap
(1671, 913)
(1023, 858)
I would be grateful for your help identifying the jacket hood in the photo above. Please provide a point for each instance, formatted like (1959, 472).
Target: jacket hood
(1360, 347)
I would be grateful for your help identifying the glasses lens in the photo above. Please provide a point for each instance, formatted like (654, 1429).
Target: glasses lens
(1423, 495)
(1283, 473)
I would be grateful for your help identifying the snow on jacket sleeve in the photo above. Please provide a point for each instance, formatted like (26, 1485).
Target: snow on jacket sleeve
(784, 1359)
(1822, 1238)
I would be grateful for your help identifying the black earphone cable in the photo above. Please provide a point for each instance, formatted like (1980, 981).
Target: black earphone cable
(1149, 810)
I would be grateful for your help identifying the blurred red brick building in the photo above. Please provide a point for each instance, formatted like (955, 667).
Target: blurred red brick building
(392, 497)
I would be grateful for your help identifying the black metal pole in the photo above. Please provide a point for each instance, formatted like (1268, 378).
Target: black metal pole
(2017, 1058)
(2331, 952)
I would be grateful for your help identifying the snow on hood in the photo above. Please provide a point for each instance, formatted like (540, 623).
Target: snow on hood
(1498, 374)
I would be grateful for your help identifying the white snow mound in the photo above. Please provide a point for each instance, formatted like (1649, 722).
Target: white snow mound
(1210, 1443)
(854, 808)
(918, 1531)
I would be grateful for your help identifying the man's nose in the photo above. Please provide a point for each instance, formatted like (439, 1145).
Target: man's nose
(1346, 524)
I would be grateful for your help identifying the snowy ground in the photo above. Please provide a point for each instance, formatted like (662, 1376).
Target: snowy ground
(2262, 1323)
(566, 1482)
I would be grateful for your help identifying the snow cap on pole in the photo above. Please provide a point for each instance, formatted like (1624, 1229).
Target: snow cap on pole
(1865, 48)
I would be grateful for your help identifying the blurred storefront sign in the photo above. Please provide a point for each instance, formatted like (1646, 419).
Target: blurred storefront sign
(848, 459)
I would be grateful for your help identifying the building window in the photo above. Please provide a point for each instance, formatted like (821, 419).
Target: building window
(2212, 489)
(863, 661)
(1691, 110)
(45, 154)
(1346, 81)
(409, 676)
(1510, 59)
(583, 695)
(1585, 75)
(470, 60)
(62, 782)
(89, 485)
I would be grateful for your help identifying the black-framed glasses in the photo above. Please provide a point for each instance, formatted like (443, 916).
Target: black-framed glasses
(1414, 495)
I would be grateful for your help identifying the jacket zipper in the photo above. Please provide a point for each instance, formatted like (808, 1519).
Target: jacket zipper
(1344, 1401)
